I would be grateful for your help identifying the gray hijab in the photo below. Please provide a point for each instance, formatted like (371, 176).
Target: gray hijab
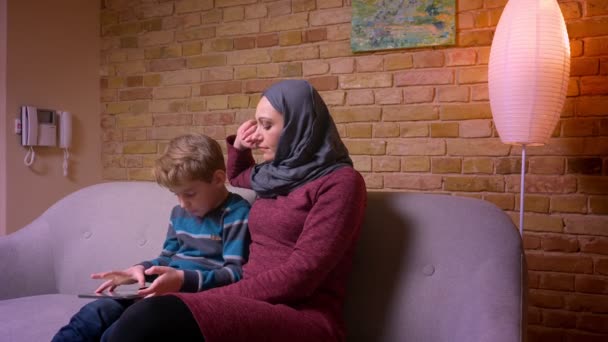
(309, 146)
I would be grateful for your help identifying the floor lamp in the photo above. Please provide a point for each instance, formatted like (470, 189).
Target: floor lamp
(528, 76)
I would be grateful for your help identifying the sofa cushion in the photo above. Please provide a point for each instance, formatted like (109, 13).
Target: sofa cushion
(36, 318)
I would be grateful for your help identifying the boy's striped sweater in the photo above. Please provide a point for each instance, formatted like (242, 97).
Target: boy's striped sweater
(210, 250)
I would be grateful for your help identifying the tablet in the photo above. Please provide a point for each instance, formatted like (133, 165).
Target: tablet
(114, 295)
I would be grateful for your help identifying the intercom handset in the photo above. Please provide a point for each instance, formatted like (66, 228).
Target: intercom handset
(39, 127)
(65, 138)
(65, 129)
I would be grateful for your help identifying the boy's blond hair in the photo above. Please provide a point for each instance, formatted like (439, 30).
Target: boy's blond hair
(188, 158)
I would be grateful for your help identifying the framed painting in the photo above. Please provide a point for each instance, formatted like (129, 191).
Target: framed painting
(393, 24)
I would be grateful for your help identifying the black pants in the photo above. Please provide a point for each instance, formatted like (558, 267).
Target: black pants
(164, 318)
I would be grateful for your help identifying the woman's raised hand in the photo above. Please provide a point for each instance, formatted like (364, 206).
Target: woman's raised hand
(245, 135)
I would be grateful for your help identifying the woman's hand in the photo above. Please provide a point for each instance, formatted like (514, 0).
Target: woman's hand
(169, 280)
(244, 135)
(131, 275)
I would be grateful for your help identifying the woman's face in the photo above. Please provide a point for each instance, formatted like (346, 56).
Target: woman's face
(270, 125)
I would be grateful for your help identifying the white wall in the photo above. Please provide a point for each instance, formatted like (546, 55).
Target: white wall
(52, 62)
(3, 118)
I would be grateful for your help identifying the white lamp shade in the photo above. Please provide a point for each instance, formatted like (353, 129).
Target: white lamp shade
(529, 71)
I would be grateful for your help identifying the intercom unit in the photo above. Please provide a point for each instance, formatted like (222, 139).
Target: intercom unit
(43, 127)
(39, 126)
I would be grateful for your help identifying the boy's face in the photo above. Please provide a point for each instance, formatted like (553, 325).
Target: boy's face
(198, 197)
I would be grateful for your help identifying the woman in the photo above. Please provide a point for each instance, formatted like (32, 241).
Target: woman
(303, 226)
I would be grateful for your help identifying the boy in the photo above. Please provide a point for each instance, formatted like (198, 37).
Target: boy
(207, 239)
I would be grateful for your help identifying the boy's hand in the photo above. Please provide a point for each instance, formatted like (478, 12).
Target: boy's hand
(169, 280)
(244, 135)
(131, 275)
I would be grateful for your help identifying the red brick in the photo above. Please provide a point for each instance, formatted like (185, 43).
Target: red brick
(465, 111)
(257, 86)
(594, 244)
(303, 5)
(601, 266)
(329, 17)
(588, 302)
(539, 333)
(534, 316)
(423, 77)
(369, 63)
(554, 243)
(596, 46)
(315, 35)
(428, 59)
(588, 166)
(592, 106)
(545, 299)
(593, 323)
(591, 284)
(533, 278)
(342, 66)
(474, 183)
(559, 263)
(244, 43)
(360, 97)
(418, 94)
(599, 205)
(584, 66)
(460, 57)
(135, 81)
(290, 70)
(576, 48)
(290, 38)
(172, 120)
(596, 7)
(594, 85)
(453, 94)
(581, 336)
(136, 94)
(530, 242)
(267, 40)
(597, 185)
(232, 87)
(570, 10)
(586, 225)
(473, 75)
(167, 64)
(412, 182)
(324, 82)
(559, 319)
(279, 8)
(465, 21)
(469, 5)
(543, 184)
(588, 28)
(214, 118)
(475, 38)
(579, 128)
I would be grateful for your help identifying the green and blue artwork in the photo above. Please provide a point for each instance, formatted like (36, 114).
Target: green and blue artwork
(393, 24)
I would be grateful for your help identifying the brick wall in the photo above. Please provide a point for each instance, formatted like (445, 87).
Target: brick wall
(413, 120)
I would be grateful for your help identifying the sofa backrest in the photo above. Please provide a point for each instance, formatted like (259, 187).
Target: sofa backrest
(436, 268)
(427, 268)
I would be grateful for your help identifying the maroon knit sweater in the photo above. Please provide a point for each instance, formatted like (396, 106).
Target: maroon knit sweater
(294, 283)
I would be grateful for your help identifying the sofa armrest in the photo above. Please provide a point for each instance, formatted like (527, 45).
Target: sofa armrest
(26, 262)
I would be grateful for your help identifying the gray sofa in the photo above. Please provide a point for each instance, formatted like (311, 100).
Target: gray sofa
(428, 267)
